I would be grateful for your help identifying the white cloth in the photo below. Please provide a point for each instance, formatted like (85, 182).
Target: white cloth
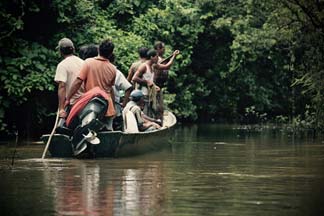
(67, 71)
(148, 75)
(132, 123)
(121, 84)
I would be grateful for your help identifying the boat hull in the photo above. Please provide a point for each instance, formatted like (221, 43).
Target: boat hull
(117, 143)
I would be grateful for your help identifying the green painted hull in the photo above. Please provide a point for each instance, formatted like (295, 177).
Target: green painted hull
(117, 143)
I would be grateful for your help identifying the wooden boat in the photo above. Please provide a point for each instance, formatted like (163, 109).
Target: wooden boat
(117, 143)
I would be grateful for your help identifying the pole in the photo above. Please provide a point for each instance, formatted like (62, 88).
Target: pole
(52, 133)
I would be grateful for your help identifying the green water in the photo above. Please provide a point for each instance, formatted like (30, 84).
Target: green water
(207, 170)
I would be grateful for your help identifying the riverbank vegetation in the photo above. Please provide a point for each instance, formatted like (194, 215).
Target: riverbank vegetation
(241, 61)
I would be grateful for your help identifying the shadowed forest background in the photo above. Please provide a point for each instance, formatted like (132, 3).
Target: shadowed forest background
(243, 61)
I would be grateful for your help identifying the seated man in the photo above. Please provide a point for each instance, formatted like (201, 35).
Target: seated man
(137, 121)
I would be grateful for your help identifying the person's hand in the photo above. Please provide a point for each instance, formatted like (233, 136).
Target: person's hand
(154, 125)
(157, 126)
(157, 88)
(176, 52)
(62, 113)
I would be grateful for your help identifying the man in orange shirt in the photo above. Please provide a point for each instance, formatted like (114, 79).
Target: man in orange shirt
(98, 72)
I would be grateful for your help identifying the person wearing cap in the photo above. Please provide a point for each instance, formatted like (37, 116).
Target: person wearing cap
(98, 72)
(135, 106)
(66, 73)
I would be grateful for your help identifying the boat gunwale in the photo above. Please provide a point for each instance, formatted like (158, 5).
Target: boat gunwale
(127, 133)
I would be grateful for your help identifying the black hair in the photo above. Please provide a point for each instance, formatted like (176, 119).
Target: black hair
(106, 48)
(158, 45)
(112, 58)
(67, 50)
(88, 51)
(142, 51)
(151, 53)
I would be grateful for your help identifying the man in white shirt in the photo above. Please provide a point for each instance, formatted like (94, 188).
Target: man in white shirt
(66, 72)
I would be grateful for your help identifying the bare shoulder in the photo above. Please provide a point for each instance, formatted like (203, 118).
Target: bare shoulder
(141, 68)
(132, 65)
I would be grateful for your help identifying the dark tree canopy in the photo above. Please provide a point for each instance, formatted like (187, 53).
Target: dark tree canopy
(242, 61)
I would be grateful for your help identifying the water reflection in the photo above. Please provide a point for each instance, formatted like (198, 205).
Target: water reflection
(209, 170)
(101, 187)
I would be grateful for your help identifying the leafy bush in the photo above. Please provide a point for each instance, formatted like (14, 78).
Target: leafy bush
(237, 57)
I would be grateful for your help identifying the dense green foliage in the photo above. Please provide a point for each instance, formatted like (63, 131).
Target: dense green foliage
(241, 60)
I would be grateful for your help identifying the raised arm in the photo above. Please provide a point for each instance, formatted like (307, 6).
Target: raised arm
(167, 65)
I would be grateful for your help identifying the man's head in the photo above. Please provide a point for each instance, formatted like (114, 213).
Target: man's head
(142, 51)
(137, 96)
(106, 48)
(152, 55)
(88, 51)
(66, 47)
(159, 46)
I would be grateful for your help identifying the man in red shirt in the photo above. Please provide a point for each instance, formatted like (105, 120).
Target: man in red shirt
(98, 72)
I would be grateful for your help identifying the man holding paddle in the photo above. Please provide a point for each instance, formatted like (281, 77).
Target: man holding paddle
(143, 79)
(161, 75)
(66, 72)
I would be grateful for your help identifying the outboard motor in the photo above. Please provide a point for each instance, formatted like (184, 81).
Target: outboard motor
(87, 123)
(85, 119)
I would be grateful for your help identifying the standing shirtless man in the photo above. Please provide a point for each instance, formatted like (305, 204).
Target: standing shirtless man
(143, 78)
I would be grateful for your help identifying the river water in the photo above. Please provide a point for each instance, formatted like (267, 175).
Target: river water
(206, 170)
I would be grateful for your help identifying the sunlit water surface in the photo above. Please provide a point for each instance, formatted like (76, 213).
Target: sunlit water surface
(206, 170)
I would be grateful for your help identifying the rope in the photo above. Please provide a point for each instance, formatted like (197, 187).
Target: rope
(152, 96)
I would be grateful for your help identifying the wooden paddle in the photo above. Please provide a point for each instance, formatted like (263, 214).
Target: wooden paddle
(166, 60)
(52, 133)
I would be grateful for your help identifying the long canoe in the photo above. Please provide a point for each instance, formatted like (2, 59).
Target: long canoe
(117, 143)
